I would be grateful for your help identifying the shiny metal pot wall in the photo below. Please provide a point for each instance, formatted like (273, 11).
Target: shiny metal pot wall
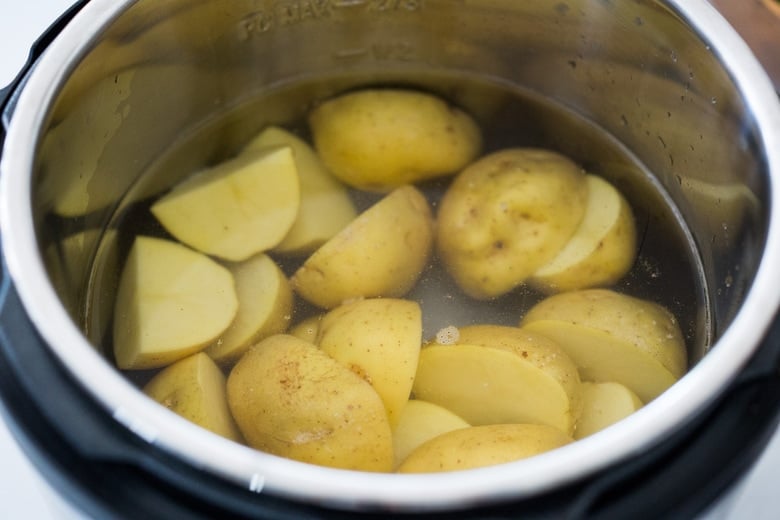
(670, 80)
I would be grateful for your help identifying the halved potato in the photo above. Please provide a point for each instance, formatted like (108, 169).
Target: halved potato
(236, 209)
(265, 303)
(171, 302)
(381, 253)
(307, 329)
(380, 139)
(604, 404)
(602, 249)
(486, 385)
(480, 446)
(194, 387)
(325, 206)
(419, 422)
(506, 215)
(378, 339)
(291, 399)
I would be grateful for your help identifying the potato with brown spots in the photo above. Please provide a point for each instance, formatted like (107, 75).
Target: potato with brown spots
(506, 215)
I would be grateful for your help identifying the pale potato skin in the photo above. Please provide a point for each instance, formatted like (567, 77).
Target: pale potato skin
(265, 302)
(378, 339)
(419, 422)
(602, 249)
(506, 215)
(293, 400)
(307, 329)
(647, 326)
(604, 405)
(480, 446)
(325, 207)
(236, 209)
(171, 303)
(380, 254)
(194, 387)
(535, 349)
(380, 139)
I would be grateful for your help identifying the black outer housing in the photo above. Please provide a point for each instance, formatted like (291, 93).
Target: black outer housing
(106, 471)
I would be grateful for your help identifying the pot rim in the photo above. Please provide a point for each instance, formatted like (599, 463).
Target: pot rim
(258, 471)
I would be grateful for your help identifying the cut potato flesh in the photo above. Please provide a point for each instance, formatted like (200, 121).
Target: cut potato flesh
(379, 339)
(602, 357)
(325, 206)
(480, 446)
(265, 307)
(490, 386)
(172, 302)
(194, 388)
(604, 404)
(419, 422)
(603, 248)
(236, 209)
(381, 253)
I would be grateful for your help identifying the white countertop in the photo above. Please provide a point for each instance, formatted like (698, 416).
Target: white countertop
(22, 495)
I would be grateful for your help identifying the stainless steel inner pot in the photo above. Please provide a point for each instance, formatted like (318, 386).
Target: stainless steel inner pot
(125, 79)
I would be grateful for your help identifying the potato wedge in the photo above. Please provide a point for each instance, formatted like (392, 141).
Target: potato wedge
(480, 446)
(420, 422)
(194, 387)
(380, 139)
(171, 302)
(647, 326)
(381, 253)
(236, 209)
(325, 207)
(506, 215)
(485, 385)
(537, 350)
(604, 404)
(291, 399)
(308, 329)
(378, 339)
(602, 249)
(265, 303)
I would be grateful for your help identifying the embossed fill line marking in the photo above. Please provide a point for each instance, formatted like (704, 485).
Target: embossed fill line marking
(348, 3)
(350, 53)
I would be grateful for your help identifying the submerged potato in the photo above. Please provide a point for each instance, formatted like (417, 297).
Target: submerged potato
(604, 404)
(194, 388)
(601, 251)
(480, 446)
(380, 254)
(506, 215)
(378, 339)
(420, 422)
(380, 139)
(171, 302)
(291, 399)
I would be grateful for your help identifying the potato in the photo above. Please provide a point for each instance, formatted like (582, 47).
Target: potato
(171, 302)
(614, 337)
(293, 400)
(325, 207)
(194, 387)
(378, 339)
(265, 303)
(536, 350)
(420, 422)
(485, 385)
(381, 253)
(380, 139)
(307, 329)
(236, 209)
(480, 446)
(507, 215)
(604, 404)
(601, 251)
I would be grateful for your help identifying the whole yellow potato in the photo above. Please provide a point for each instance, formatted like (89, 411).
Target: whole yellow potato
(480, 446)
(379, 139)
(380, 254)
(506, 215)
(378, 339)
(291, 399)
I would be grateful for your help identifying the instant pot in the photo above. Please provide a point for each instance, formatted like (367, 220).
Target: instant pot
(113, 84)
